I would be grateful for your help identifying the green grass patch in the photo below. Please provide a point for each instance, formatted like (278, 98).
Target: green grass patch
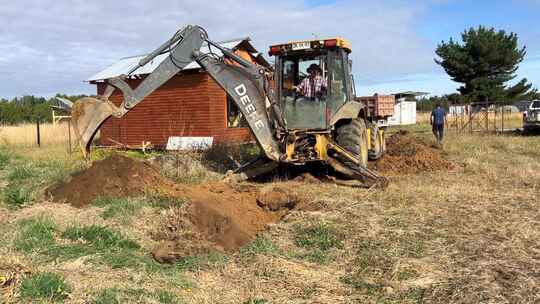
(166, 297)
(131, 295)
(119, 207)
(100, 237)
(102, 244)
(204, 261)
(16, 196)
(261, 245)
(45, 286)
(318, 239)
(5, 158)
(320, 236)
(27, 178)
(35, 235)
(21, 172)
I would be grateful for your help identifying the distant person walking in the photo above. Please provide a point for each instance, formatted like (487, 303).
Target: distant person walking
(437, 120)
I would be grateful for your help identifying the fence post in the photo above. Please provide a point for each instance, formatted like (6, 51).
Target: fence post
(69, 136)
(38, 133)
(502, 120)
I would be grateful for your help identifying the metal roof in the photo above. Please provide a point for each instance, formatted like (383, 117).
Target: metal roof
(124, 65)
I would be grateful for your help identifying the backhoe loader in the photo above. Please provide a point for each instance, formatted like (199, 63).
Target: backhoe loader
(294, 120)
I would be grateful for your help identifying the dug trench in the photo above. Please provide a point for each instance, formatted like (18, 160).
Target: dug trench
(213, 216)
(218, 215)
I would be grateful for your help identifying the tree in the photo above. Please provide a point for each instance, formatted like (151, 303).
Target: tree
(484, 63)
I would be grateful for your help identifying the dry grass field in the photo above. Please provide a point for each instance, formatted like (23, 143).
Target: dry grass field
(468, 235)
(508, 121)
(25, 135)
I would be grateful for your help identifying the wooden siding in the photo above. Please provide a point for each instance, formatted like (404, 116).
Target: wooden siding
(189, 104)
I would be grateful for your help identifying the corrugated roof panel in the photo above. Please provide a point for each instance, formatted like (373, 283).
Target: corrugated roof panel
(125, 64)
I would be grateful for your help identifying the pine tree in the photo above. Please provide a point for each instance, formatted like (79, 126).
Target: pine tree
(485, 61)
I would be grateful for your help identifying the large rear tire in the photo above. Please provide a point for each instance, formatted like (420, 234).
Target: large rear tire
(353, 138)
(377, 142)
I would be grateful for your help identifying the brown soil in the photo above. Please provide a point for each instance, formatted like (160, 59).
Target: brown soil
(408, 154)
(216, 216)
(116, 176)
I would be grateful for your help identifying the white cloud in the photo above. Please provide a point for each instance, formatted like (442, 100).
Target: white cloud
(51, 46)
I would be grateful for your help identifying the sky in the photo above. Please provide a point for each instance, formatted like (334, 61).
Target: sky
(49, 47)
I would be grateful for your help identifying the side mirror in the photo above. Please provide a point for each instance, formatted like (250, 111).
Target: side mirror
(350, 65)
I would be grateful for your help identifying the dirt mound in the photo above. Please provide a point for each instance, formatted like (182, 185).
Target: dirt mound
(116, 176)
(214, 216)
(408, 154)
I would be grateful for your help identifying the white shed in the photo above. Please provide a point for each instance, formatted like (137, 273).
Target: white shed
(404, 114)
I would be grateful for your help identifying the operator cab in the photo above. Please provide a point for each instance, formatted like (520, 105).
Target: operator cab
(312, 81)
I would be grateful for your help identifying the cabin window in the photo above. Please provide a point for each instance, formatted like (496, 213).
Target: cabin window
(235, 118)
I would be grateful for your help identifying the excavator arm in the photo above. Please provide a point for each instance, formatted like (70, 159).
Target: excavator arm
(244, 81)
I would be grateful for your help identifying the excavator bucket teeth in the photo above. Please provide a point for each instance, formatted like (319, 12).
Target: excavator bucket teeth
(87, 115)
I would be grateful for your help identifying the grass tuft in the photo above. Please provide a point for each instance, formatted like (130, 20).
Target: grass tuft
(130, 295)
(203, 261)
(318, 239)
(123, 207)
(321, 236)
(36, 234)
(108, 296)
(16, 196)
(100, 237)
(261, 245)
(45, 286)
(5, 158)
(21, 172)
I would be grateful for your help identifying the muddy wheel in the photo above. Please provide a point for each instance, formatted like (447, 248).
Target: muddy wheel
(353, 137)
(377, 142)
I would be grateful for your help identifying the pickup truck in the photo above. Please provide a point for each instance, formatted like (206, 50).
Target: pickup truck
(531, 117)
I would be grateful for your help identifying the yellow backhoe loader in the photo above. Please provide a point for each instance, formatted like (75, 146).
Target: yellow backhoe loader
(303, 111)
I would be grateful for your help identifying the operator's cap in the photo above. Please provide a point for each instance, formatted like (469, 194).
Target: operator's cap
(314, 66)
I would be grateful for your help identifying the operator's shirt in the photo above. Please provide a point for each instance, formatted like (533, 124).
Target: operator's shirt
(312, 87)
(438, 115)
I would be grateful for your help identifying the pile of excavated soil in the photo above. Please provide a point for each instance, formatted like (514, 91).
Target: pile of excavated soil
(408, 154)
(215, 216)
(116, 176)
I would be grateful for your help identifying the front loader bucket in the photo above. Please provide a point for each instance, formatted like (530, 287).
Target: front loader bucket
(87, 115)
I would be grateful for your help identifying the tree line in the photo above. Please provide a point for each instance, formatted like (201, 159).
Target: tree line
(428, 103)
(29, 109)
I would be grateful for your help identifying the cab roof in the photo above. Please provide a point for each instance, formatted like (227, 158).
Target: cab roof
(311, 44)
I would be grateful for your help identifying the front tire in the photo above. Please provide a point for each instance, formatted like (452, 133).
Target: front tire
(353, 138)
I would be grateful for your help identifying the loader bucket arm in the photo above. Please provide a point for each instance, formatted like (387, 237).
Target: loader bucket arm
(245, 83)
(89, 113)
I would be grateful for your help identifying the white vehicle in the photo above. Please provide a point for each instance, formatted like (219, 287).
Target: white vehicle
(531, 117)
